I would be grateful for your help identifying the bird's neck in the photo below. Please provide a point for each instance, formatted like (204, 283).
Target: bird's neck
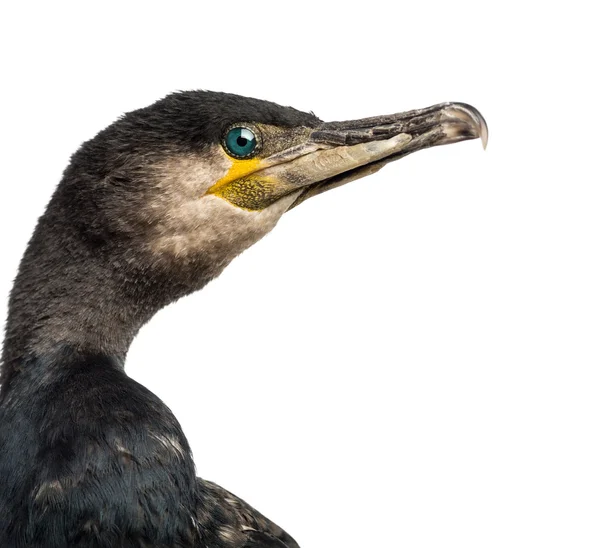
(73, 291)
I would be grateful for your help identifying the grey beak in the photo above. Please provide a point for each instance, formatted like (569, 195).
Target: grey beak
(437, 125)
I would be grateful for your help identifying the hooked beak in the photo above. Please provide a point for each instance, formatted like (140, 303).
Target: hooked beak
(366, 145)
(335, 153)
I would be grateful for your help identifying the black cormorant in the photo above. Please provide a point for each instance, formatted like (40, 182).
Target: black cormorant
(149, 210)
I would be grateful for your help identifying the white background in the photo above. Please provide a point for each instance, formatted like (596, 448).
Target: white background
(411, 360)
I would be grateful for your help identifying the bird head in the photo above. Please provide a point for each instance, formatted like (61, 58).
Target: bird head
(181, 187)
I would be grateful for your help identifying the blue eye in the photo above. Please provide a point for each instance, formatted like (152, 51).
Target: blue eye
(240, 142)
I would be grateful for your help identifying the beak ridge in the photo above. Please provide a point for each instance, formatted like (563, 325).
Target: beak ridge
(436, 125)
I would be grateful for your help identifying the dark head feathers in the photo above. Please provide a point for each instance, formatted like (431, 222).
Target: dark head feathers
(184, 121)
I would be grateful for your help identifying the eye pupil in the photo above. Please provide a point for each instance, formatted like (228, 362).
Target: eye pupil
(240, 142)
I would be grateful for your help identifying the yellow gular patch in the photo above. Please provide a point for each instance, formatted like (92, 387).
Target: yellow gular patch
(238, 169)
(246, 189)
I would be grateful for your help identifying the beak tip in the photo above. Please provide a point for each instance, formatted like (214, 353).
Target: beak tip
(480, 124)
(483, 132)
(484, 138)
(472, 117)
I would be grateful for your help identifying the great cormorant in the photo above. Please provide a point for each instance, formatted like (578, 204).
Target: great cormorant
(149, 210)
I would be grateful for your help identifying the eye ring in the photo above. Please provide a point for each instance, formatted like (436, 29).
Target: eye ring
(241, 141)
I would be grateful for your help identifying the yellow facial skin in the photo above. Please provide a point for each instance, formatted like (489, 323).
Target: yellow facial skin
(238, 169)
(242, 188)
(244, 185)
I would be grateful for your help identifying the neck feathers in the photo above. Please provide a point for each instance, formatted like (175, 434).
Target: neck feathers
(78, 290)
